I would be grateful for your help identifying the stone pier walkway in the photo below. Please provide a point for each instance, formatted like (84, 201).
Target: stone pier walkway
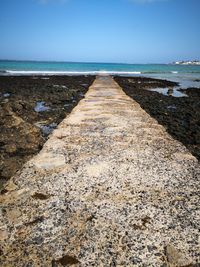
(109, 188)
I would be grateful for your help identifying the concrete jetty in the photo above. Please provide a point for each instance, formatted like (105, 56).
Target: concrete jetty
(109, 188)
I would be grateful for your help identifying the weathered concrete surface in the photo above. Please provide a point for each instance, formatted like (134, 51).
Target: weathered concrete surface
(109, 188)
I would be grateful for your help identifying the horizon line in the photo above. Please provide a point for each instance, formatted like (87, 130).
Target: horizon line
(83, 62)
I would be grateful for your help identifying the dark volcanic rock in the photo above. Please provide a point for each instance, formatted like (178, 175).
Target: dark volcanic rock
(180, 116)
(23, 130)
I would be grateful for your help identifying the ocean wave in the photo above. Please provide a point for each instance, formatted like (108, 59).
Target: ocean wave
(33, 72)
(17, 72)
(92, 72)
(159, 72)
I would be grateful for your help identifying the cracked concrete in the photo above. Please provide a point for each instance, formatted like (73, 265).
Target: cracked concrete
(109, 188)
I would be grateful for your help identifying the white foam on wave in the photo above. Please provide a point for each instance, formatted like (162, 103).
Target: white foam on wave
(174, 72)
(16, 72)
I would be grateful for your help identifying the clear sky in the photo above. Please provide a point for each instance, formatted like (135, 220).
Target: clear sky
(130, 31)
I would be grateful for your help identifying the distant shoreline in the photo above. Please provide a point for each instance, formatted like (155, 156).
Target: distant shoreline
(82, 62)
(187, 63)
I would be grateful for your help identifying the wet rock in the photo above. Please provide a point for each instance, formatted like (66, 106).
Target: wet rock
(10, 148)
(20, 136)
(46, 128)
(171, 107)
(17, 107)
(179, 115)
(9, 166)
(6, 95)
(41, 107)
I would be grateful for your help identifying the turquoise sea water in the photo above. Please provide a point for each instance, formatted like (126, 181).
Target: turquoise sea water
(186, 74)
(30, 66)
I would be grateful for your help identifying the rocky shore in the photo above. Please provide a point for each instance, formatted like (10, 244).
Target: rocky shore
(179, 115)
(109, 188)
(30, 108)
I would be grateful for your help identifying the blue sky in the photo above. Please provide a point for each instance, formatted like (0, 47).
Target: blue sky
(130, 31)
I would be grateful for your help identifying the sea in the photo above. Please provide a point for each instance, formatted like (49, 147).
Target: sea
(185, 75)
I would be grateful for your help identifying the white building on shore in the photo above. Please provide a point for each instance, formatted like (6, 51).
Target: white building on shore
(192, 62)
